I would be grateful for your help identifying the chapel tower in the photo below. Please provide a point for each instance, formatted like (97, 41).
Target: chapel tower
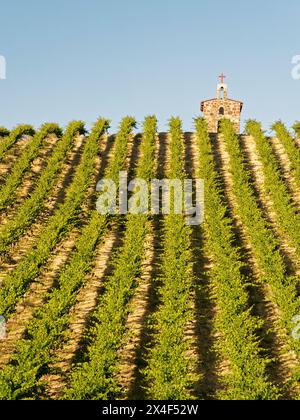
(215, 110)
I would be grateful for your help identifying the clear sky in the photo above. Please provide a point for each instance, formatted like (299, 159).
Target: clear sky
(78, 59)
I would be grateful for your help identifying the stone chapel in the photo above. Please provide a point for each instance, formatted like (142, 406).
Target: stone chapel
(216, 109)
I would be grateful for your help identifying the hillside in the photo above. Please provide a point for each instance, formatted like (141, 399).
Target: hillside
(140, 306)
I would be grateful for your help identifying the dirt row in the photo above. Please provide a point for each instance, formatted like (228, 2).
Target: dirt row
(29, 178)
(87, 299)
(34, 297)
(11, 156)
(286, 169)
(19, 249)
(261, 295)
(209, 367)
(133, 355)
(200, 332)
(257, 171)
(133, 352)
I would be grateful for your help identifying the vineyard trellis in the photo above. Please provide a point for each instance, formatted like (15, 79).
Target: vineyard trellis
(286, 212)
(22, 165)
(31, 207)
(247, 378)
(10, 138)
(167, 362)
(110, 315)
(289, 144)
(263, 241)
(170, 372)
(16, 283)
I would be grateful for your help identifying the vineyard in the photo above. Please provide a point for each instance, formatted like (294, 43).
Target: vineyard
(141, 306)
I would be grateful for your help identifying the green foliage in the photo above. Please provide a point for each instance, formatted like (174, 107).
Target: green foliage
(290, 147)
(264, 243)
(31, 207)
(20, 379)
(169, 368)
(23, 163)
(146, 168)
(14, 136)
(168, 373)
(47, 129)
(22, 130)
(296, 128)
(4, 132)
(122, 138)
(96, 378)
(238, 342)
(286, 212)
(79, 127)
(16, 283)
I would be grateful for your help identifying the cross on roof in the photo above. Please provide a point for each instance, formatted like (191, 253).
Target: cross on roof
(222, 77)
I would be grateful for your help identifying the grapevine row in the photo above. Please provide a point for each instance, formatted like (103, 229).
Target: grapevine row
(36, 352)
(20, 379)
(14, 179)
(286, 213)
(4, 132)
(95, 378)
(291, 148)
(296, 128)
(31, 207)
(263, 241)
(169, 369)
(8, 141)
(247, 379)
(16, 283)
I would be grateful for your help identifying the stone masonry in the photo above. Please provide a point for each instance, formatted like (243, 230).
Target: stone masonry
(221, 107)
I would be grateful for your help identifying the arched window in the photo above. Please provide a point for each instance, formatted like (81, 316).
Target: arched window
(221, 111)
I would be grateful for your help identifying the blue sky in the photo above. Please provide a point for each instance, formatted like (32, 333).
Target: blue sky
(78, 59)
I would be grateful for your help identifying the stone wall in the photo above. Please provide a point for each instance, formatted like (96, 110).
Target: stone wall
(232, 111)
